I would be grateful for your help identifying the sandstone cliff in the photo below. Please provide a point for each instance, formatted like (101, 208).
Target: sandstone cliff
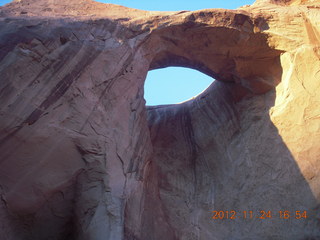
(82, 157)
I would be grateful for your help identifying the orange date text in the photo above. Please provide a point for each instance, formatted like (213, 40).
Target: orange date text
(261, 214)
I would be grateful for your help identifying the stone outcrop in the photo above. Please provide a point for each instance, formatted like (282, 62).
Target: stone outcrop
(82, 157)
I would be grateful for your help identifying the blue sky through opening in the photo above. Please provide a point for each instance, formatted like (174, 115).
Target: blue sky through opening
(174, 85)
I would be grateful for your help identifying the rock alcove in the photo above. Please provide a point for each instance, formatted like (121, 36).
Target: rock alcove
(81, 157)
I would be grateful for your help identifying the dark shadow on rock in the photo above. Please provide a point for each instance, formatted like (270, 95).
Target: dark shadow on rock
(218, 154)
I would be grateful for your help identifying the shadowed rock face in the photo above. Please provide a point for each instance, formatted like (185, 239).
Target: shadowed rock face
(82, 157)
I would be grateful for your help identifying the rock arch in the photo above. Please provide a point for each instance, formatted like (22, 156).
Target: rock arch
(82, 158)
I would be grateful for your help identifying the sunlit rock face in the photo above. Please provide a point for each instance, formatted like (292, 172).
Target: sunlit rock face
(82, 158)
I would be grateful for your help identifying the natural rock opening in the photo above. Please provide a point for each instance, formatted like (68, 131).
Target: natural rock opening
(174, 85)
(81, 157)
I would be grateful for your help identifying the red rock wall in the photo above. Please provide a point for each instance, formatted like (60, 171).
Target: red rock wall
(81, 157)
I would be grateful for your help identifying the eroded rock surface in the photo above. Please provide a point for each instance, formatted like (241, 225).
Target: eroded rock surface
(82, 157)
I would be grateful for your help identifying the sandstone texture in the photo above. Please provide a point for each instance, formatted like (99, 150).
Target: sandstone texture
(83, 158)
